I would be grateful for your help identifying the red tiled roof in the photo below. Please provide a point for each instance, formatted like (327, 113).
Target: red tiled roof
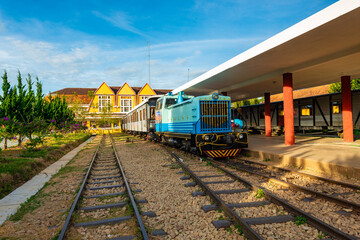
(161, 91)
(115, 89)
(81, 95)
(303, 93)
(136, 89)
(72, 91)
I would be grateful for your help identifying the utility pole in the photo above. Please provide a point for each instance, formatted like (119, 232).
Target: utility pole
(148, 47)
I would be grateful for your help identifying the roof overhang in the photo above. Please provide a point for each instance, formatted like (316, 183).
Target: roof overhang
(318, 50)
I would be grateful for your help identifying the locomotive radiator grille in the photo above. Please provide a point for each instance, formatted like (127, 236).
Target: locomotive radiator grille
(215, 116)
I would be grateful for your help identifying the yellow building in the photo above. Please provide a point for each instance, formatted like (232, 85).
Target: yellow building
(108, 104)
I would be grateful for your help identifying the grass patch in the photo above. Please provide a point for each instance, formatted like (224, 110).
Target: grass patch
(30, 205)
(267, 160)
(18, 165)
(238, 228)
(229, 230)
(322, 235)
(34, 154)
(107, 197)
(299, 220)
(259, 194)
(70, 169)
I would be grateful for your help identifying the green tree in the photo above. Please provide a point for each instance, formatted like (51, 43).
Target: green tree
(336, 87)
(21, 107)
(24, 112)
(91, 94)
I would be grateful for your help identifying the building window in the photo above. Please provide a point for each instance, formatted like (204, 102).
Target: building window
(306, 110)
(104, 103)
(143, 98)
(126, 104)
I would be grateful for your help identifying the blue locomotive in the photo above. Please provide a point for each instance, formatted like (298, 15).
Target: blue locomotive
(201, 124)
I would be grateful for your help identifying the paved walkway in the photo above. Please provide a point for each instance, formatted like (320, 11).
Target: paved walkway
(330, 155)
(10, 203)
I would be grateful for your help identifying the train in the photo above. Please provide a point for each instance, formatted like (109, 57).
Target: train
(201, 124)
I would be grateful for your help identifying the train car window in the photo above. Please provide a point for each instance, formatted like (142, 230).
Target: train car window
(336, 108)
(144, 114)
(152, 113)
(140, 115)
(307, 110)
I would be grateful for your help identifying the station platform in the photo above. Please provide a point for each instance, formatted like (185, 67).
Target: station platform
(331, 156)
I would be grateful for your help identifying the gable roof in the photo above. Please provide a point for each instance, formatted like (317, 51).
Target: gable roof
(132, 88)
(107, 86)
(146, 84)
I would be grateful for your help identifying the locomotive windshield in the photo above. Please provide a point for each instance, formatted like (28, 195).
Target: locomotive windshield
(171, 101)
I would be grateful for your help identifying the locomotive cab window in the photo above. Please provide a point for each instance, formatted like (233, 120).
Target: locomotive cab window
(171, 101)
(159, 105)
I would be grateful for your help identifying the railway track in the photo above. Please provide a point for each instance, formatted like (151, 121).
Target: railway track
(258, 212)
(345, 194)
(105, 197)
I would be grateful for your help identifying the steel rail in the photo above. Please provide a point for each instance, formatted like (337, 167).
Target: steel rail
(326, 228)
(68, 218)
(245, 227)
(344, 184)
(336, 200)
(132, 199)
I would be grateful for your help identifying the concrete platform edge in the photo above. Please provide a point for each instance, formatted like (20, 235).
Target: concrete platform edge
(11, 203)
(306, 163)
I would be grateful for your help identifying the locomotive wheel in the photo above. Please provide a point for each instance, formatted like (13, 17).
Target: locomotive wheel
(187, 147)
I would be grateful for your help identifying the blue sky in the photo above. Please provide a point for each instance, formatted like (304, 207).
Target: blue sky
(83, 43)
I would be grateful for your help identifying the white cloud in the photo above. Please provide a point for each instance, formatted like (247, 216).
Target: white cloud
(120, 20)
(85, 64)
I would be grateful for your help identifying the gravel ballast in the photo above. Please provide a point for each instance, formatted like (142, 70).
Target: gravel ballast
(178, 213)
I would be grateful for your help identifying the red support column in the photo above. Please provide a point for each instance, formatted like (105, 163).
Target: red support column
(288, 109)
(267, 115)
(347, 109)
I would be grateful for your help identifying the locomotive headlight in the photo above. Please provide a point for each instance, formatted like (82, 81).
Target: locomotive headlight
(241, 136)
(215, 96)
(207, 138)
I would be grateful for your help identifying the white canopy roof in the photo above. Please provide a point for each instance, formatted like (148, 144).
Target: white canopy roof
(318, 50)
